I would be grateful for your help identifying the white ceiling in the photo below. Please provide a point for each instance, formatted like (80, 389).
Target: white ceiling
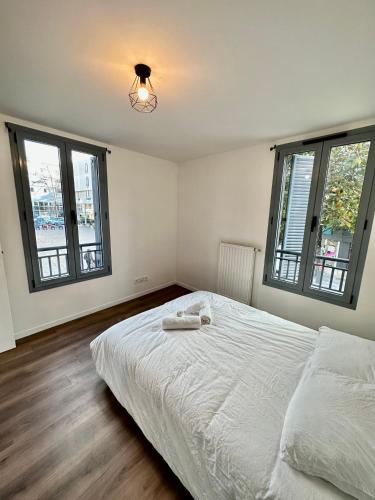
(227, 73)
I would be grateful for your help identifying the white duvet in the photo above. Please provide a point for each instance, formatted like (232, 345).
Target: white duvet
(212, 401)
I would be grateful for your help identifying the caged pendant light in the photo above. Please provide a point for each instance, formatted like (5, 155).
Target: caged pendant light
(142, 95)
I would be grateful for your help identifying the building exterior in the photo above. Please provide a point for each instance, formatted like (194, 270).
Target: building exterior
(45, 187)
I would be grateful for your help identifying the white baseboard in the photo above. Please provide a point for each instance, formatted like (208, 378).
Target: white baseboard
(6, 346)
(30, 331)
(187, 286)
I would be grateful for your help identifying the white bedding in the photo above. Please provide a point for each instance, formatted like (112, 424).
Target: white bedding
(213, 401)
(329, 427)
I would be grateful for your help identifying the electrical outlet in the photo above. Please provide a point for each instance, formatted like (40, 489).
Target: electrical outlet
(141, 279)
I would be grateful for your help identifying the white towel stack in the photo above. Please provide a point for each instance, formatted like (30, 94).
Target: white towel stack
(192, 318)
(206, 314)
(188, 322)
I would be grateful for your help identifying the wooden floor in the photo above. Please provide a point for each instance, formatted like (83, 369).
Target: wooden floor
(62, 433)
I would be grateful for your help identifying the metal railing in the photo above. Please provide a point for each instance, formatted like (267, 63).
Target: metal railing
(91, 256)
(287, 265)
(53, 261)
(329, 273)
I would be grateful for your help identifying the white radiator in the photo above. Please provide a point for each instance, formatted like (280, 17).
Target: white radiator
(236, 271)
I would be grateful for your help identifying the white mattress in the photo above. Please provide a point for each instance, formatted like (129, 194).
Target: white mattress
(212, 401)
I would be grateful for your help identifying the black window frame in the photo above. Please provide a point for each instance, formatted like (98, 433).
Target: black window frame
(17, 135)
(322, 146)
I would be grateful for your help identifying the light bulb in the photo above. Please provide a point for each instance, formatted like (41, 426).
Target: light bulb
(143, 93)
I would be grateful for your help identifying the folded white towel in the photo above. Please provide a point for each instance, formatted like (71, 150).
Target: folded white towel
(206, 314)
(196, 307)
(187, 322)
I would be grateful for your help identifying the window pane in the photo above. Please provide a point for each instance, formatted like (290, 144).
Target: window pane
(338, 217)
(295, 191)
(44, 173)
(85, 168)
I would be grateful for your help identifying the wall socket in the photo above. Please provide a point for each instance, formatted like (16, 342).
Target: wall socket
(141, 279)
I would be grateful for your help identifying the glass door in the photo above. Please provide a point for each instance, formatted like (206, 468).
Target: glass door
(89, 230)
(291, 206)
(344, 187)
(46, 202)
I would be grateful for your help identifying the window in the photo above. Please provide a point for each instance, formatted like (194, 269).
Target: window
(65, 235)
(322, 206)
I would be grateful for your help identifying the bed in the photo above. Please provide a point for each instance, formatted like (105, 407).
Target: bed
(212, 402)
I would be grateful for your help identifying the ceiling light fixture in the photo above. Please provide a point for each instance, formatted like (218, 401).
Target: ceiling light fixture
(142, 95)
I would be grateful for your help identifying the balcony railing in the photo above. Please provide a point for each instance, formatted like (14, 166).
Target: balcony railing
(53, 261)
(287, 265)
(91, 257)
(329, 273)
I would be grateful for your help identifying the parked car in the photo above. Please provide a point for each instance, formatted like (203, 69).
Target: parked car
(59, 222)
(42, 222)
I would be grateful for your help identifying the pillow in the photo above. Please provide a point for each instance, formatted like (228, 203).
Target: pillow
(329, 427)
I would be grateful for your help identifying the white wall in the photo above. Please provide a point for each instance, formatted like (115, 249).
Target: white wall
(143, 216)
(227, 197)
(6, 324)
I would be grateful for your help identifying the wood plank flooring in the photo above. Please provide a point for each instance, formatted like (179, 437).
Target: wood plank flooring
(62, 433)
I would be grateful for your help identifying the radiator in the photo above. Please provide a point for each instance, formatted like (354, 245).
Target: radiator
(236, 271)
